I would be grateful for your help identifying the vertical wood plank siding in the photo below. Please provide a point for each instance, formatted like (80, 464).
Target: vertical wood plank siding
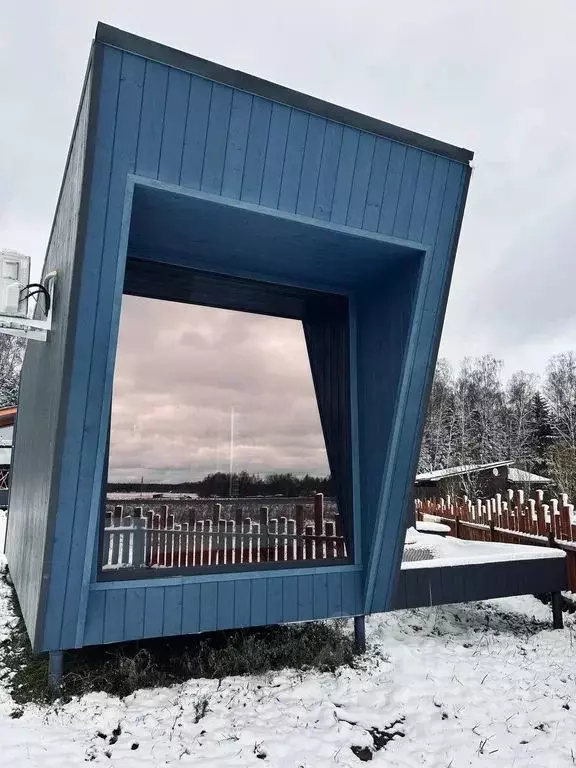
(36, 451)
(177, 127)
(190, 608)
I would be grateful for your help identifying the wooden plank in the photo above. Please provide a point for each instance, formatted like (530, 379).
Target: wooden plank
(334, 583)
(328, 171)
(154, 612)
(190, 609)
(344, 176)
(24, 496)
(376, 185)
(208, 606)
(305, 597)
(152, 119)
(289, 598)
(196, 132)
(173, 603)
(320, 591)
(275, 153)
(293, 159)
(421, 197)
(234, 164)
(216, 138)
(274, 612)
(352, 593)
(256, 150)
(226, 597)
(258, 603)
(95, 619)
(95, 321)
(407, 192)
(361, 180)
(306, 199)
(175, 115)
(392, 188)
(134, 613)
(379, 576)
(242, 602)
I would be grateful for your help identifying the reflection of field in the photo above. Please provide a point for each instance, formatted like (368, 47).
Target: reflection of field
(186, 510)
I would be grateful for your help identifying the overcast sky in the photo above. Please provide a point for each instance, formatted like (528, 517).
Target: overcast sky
(496, 77)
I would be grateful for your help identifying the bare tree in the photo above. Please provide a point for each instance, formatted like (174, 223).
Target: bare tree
(519, 425)
(560, 390)
(11, 356)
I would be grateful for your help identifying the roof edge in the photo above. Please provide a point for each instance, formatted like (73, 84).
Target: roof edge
(141, 46)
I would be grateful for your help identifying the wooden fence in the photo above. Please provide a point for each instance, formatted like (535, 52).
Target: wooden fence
(512, 519)
(137, 536)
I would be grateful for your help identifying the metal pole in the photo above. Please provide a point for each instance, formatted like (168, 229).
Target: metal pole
(55, 668)
(360, 633)
(557, 620)
(231, 451)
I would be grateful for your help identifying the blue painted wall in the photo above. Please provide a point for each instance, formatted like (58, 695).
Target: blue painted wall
(37, 447)
(168, 125)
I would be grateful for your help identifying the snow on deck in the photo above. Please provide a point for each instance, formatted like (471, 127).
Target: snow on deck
(424, 550)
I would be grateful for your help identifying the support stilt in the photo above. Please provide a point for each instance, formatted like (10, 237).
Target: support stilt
(55, 668)
(557, 620)
(360, 633)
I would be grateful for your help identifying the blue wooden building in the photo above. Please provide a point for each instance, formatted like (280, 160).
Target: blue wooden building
(192, 182)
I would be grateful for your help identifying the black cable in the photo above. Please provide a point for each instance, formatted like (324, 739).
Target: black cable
(40, 289)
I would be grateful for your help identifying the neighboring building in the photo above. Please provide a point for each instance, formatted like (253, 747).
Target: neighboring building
(7, 418)
(476, 480)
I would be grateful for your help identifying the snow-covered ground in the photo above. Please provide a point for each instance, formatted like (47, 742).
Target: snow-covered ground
(471, 685)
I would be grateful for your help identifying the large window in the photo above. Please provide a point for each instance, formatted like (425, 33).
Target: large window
(217, 452)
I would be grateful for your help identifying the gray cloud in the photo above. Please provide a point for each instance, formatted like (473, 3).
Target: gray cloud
(496, 77)
(180, 370)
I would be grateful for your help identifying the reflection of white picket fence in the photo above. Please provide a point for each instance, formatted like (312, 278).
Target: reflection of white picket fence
(136, 538)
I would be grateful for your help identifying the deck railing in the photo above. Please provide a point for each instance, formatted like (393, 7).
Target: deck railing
(512, 519)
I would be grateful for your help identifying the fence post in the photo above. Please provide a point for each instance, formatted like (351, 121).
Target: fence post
(299, 532)
(115, 536)
(329, 540)
(282, 539)
(340, 543)
(557, 620)
(216, 511)
(230, 540)
(308, 553)
(138, 539)
(540, 517)
(106, 541)
(263, 534)
(319, 524)
(291, 530)
(457, 527)
(186, 544)
(492, 531)
(564, 517)
(237, 535)
(246, 540)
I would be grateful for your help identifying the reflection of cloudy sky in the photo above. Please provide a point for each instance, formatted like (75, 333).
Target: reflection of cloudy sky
(179, 371)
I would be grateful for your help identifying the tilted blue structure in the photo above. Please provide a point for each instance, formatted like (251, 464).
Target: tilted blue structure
(191, 181)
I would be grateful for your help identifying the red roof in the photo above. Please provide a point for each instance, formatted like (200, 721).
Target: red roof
(8, 416)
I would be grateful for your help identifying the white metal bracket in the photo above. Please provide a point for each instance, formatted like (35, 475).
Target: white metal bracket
(30, 328)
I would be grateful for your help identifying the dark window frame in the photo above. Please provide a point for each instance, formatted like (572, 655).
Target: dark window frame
(325, 319)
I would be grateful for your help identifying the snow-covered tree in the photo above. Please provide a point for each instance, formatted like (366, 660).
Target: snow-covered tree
(11, 356)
